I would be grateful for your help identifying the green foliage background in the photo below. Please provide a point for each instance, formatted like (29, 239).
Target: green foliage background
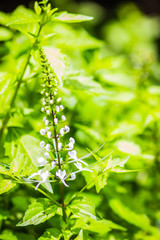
(111, 95)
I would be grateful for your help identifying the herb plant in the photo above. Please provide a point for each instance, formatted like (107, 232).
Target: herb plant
(59, 84)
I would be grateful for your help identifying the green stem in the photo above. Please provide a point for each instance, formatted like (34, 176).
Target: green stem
(19, 80)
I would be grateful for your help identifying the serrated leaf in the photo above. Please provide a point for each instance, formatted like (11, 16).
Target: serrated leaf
(82, 208)
(6, 185)
(70, 17)
(38, 212)
(56, 60)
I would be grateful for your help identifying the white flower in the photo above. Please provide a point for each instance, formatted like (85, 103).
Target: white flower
(42, 131)
(70, 146)
(58, 99)
(55, 93)
(41, 161)
(44, 176)
(66, 128)
(44, 119)
(44, 103)
(43, 99)
(42, 92)
(46, 154)
(48, 147)
(63, 118)
(47, 94)
(62, 175)
(53, 164)
(42, 109)
(59, 146)
(78, 165)
(62, 132)
(57, 109)
(47, 129)
(72, 140)
(49, 134)
(73, 176)
(51, 101)
(48, 111)
(42, 143)
(61, 107)
(46, 122)
(55, 121)
(73, 154)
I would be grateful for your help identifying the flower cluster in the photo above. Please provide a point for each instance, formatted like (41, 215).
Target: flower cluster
(57, 159)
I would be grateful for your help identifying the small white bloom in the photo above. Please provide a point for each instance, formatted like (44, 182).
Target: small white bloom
(70, 146)
(47, 94)
(43, 85)
(62, 132)
(59, 146)
(73, 154)
(46, 122)
(62, 175)
(42, 109)
(44, 103)
(53, 164)
(61, 107)
(55, 93)
(41, 161)
(66, 128)
(51, 101)
(48, 147)
(78, 165)
(71, 139)
(73, 176)
(57, 109)
(58, 99)
(49, 134)
(42, 131)
(42, 143)
(63, 118)
(55, 121)
(47, 129)
(43, 99)
(48, 111)
(42, 92)
(46, 154)
(44, 119)
(44, 176)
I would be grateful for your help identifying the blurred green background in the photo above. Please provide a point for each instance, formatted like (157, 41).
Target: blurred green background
(111, 94)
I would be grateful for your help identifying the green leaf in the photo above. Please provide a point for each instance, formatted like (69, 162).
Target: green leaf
(23, 15)
(80, 235)
(101, 226)
(38, 212)
(82, 208)
(56, 60)
(7, 235)
(51, 233)
(5, 34)
(70, 17)
(139, 220)
(6, 185)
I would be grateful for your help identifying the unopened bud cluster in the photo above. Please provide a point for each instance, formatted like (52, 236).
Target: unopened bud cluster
(57, 160)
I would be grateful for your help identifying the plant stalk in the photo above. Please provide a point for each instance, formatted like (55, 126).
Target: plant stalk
(19, 80)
